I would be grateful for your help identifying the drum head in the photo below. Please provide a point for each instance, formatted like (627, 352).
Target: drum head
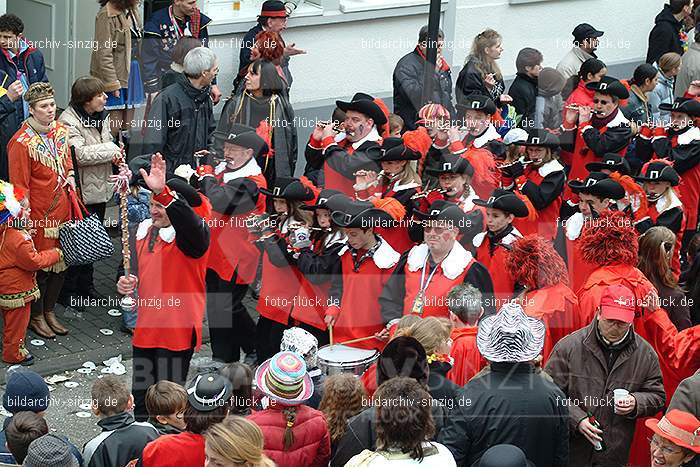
(344, 354)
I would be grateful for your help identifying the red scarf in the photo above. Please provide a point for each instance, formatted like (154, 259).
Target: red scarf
(443, 64)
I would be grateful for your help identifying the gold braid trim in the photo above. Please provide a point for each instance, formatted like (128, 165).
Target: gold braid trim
(18, 300)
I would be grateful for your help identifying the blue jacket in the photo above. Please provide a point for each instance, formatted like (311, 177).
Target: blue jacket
(29, 61)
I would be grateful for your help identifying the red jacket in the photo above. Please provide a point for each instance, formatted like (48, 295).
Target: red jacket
(503, 285)
(180, 450)
(312, 442)
(579, 270)
(467, 359)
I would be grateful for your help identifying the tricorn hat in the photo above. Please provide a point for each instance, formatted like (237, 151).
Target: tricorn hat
(610, 86)
(289, 188)
(539, 137)
(506, 201)
(657, 171)
(598, 184)
(358, 214)
(477, 102)
(243, 136)
(690, 107)
(361, 103)
(611, 161)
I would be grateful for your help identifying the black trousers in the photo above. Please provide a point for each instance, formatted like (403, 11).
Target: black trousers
(153, 365)
(50, 285)
(79, 279)
(268, 337)
(230, 326)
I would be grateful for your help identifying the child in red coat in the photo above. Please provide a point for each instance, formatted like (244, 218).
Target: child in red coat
(19, 262)
(464, 302)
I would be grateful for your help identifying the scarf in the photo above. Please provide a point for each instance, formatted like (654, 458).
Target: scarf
(612, 350)
(94, 120)
(368, 254)
(598, 122)
(442, 66)
(495, 238)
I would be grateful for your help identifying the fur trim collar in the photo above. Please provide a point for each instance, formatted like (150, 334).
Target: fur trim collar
(619, 120)
(690, 135)
(452, 266)
(489, 135)
(507, 240)
(549, 168)
(574, 225)
(668, 202)
(167, 234)
(384, 258)
(249, 169)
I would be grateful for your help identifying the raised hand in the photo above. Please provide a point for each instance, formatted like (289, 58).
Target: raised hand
(155, 180)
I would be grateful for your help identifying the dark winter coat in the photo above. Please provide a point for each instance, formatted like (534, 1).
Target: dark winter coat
(121, 441)
(513, 403)
(665, 36)
(579, 367)
(181, 122)
(9, 124)
(408, 88)
(524, 94)
(470, 81)
(687, 395)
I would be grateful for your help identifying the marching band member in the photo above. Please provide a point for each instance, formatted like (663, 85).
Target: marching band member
(617, 168)
(679, 142)
(590, 133)
(233, 190)
(172, 244)
(315, 262)
(665, 208)
(502, 207)
(360, 148)
(534, 264)
(595, 194)
(454, 175)
(482, 144)
(542, 182)
(427, 272)
(365, 265)
(281, 279)
(436, 120)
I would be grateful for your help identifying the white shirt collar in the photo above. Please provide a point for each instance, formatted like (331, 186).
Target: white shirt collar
(489, 135)
(371, 136)
(248, 169)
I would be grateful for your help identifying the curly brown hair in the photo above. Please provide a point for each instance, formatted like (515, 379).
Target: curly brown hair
(344, 397)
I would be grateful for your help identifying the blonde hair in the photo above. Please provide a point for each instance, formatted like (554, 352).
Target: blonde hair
(669, 61)
(408, 174)
(431, 332)
(484, 63)
(238, 440)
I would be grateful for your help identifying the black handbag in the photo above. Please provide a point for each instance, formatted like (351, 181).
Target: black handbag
(84, 239)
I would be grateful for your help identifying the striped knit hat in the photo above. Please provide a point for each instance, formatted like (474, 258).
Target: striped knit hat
(510, 335)
(284, 378)
(9, 201)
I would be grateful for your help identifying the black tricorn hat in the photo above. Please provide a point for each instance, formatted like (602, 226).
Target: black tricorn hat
(506, 201)
(477, 102)
(450, 164)
(611, 161)
(442, 210)
(364, 103)
(357, 214)
(540, 137)
(209, 391)
(598, 184)
(393, 149)
(690, 107)
(289, 188)
(244, 136)
(322, 201)
(658, 172)
(610, 86)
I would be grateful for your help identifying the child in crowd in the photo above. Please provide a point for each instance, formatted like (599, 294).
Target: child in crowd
(24, 427)
(396, 125)
(464, 303)
(165, 403)
(122, 439)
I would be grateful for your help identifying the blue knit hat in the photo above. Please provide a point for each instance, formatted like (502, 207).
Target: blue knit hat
(25, 391)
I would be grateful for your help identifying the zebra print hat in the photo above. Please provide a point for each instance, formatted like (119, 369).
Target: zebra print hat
(510, 335)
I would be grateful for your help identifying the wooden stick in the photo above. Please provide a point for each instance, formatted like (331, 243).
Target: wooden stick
(359, 339)
(330, 330)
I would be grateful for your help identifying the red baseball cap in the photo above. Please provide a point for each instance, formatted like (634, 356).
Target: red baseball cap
(618, 303)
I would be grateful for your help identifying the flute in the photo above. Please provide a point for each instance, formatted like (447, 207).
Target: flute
(510, 164)
(424, 194)
(577, 108)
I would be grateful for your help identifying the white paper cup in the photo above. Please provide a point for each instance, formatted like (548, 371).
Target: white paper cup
(618, 395)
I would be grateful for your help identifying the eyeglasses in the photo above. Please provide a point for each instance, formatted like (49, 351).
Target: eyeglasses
(654, 443)
(601, 102)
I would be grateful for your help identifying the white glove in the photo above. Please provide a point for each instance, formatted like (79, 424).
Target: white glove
(301, 238)
(185, 171)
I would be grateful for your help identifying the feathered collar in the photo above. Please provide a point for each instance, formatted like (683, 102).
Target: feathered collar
(452, 266)
(688, 136)
(549, 168)
(249, 169)
(574, 225)
(166, 234)
(384, 258)
(512, 236)
(668, 202)
(489, 135)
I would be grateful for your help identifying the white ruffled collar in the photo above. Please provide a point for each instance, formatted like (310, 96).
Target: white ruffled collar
(406, 186)
(690, 135)
(384, 258)
(489, 135)
(452, 266)
(668, 202)
(248, 169)
(336, 237)
(507, 240)
(371, 136)
(574, 225)
(549, 168)
(166, 234)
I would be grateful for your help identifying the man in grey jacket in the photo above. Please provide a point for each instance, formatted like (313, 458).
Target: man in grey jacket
(585, 45)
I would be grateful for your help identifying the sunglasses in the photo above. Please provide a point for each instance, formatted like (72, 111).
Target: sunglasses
(601, 102)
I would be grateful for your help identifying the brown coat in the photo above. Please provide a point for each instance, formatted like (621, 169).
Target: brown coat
(687, 395)
(111, 56)
(578, 366)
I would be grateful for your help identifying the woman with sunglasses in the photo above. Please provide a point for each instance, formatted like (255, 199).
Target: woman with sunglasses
(655, 254)
(676, 439)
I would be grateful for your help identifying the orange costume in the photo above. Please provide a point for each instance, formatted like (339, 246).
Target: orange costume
(467, 359)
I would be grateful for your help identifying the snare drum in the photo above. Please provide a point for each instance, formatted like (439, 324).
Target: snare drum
(335, 359)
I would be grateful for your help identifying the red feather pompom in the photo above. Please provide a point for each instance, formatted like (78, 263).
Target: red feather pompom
(310, 185)
(391, 206)
(534, 263)
(609, 239)
(418, 141)
(384, 129)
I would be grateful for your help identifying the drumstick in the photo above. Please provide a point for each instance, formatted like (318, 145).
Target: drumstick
(359, 339)
(330, 330)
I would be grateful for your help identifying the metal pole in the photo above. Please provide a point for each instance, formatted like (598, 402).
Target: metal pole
(431, 52)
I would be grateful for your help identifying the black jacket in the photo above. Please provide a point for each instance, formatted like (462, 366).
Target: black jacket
(181, 122)
(408, 88)
(510, 404)
(524, 94)
(9, 124)
(442, 389)
(470, 81)
(665, 36)
(121, 441)
(244, 58)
